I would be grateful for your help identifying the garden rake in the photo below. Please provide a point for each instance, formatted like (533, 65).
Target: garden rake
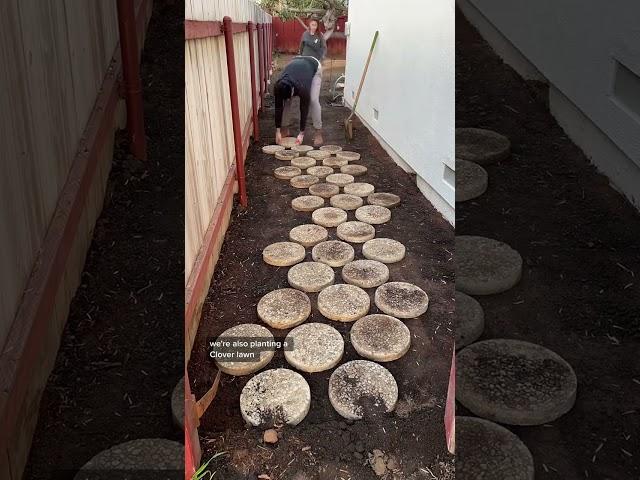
(348, 123)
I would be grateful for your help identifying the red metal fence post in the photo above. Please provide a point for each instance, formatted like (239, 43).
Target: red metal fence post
(235, 108)
(261, 64)
(270, 47)
(252, 73)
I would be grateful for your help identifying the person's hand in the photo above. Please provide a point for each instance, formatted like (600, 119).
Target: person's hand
(278, 136)
(300, 138)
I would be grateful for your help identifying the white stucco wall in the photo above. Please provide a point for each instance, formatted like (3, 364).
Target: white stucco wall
(410, 83)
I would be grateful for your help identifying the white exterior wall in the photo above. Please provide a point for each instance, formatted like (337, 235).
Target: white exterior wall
(410, 83)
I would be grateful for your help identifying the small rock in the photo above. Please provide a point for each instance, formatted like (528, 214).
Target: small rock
(270, 436)
(392, 464)
(379, 466)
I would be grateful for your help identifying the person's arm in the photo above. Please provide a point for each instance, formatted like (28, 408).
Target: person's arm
(323, 48)
(301, 44)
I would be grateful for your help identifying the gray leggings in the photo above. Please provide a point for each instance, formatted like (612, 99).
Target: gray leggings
(314, 104)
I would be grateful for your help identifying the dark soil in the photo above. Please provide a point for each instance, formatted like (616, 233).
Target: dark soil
(324, 446)
(579, 295)
(122, 350)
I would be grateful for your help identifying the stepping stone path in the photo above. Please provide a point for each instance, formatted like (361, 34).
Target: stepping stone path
(320, 172)
(284, 308)
(383, 199)
(343, 302)
(316, 347)
(333, 252)
(308, 234)
(331, 148)
(385, 250)
(359, 189)
(271, 149)
(481, 146)
(310, 276)
(346, 201)
(283, 254)
(485, 266)
(287, 173)
(354, 170)
(329, 216)
(303, 162)
(339, 179)
(401, 299)
(324, 190)
(286, 155)
(469, 320)
(348, 156)
(514, 382)
(245, 330)
(177, 405)
(307, 203)
(362, 382)
(318, 154)
(355, 232)
(275, 397)
(301, 148)
(373, 214)
(288, 142)
(334, 162)
(380, 337)
(365, 273)
(471, 180)
(487, 450)
(303, 181)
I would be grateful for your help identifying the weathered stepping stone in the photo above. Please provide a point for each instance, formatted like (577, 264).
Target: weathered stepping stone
(348, 156)
(145, 454)
(339, 179)
(177, 405)
(307, 203)
(331, 148)
(283, 254)
(334, 162)
(271, 149)
(324, 190)
(318, 154)
(401, 299)
(360, 189)
(333, 252)
(284, 308)
(343, 302)
(288, 142)
(485, 266)
(275, 397)
(365, 273)
(383, 199)
(385, 250)
(373, 214)
(308, 235)
(471, 180)
(329, 216)
(469, 320)
(354, 170)
(355, 232)
(345, 201)
(286, 155)
(310, 276)
(246, 330)
(303, 181)
(362, 382)
(316, 347)
(514, 382)
(303, 162)
(287, 173)
(481, 146)
(321, 172)
(301, 148)
(380, 337)
(488, 450)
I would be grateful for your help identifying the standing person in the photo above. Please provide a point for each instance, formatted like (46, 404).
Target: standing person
(313, 43)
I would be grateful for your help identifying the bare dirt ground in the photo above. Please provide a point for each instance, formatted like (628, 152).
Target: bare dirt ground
(324, 446)
(580, 291)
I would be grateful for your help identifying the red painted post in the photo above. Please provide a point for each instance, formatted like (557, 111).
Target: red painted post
(235, 108)
(192, 452)
(261, 64)
(270, 48)
(252, 73)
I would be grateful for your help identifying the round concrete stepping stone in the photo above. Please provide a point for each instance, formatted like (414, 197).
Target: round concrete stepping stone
(318, 154)
(324, 190)
(361, 381)
(310, 276)
(514, 382)
(333, 252)
(316, 347)
(329, 216)
(334, 162)
(355, 232)
(471, 180)
(321, 172)
(177, 405)
(307, 203)
(343, 302)
(304, 181)
(146, 454)
(383, 199)
(275, 397)
(303, 162)
(283, 254)
(331, 148)
(485, 266)
(360, 189)
(271, 149)
(469, 320)
(487, 450)
(339, 179)
(348, 156)
(284, 308)
(287, 173)
(301, 148)
(286, 155)
(373, 214)
(288, 142)
(481, 146)
(346, 201)
(308, 234)
(401, 299)
(354, 170)
(246, 330)
(365, 273)
(385, 250)
(380, 337)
